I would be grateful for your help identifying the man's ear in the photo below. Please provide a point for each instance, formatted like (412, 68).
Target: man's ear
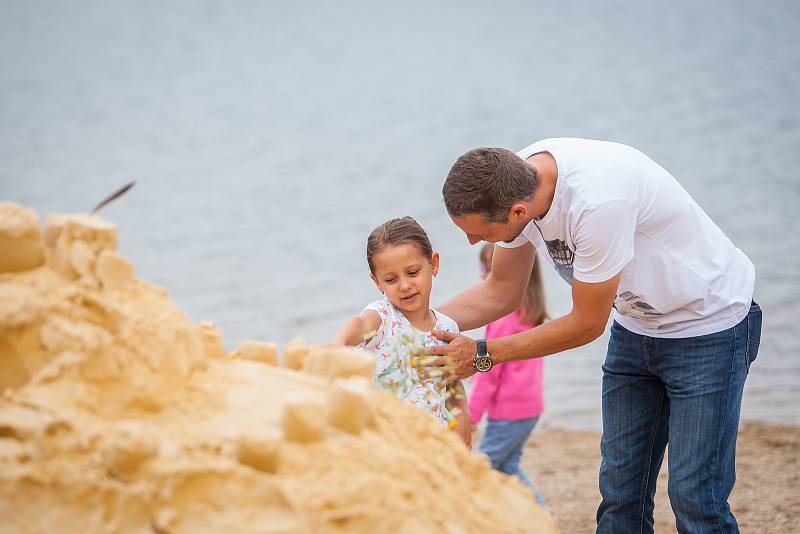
(435, 263)
(518, 212)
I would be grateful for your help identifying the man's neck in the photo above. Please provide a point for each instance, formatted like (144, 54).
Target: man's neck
(547, 172)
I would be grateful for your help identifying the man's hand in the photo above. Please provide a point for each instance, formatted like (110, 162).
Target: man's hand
(459, 352)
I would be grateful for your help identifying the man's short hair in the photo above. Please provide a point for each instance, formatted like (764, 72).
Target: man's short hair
(488, 181)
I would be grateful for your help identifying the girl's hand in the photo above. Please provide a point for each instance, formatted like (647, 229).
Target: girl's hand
(464, 429)
(461, 426)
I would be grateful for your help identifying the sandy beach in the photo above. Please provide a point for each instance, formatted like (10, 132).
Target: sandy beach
(564, 465)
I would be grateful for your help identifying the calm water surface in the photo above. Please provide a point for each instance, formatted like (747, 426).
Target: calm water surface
(268, 139)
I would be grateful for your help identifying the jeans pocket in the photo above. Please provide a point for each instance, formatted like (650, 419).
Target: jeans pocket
(753, 333)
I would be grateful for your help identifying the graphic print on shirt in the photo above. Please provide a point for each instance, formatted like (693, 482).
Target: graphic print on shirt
(563, 258)
(631, 305)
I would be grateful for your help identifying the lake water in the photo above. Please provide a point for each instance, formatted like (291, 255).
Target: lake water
(269, 138)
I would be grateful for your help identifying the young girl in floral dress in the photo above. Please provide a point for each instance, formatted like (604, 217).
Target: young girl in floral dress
(394, 328)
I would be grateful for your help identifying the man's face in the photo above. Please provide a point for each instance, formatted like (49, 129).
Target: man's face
(477, 229)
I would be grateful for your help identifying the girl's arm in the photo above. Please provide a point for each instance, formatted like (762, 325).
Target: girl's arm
(356, 329)
(463, 426)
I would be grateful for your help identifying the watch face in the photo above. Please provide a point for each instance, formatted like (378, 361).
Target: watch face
(482, 364)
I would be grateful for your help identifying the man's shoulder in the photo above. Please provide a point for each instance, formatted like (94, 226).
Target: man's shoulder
(544, 145)
(534, 148)
(580, 145)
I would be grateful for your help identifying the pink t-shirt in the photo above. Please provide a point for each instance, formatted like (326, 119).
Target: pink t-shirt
(511, 390)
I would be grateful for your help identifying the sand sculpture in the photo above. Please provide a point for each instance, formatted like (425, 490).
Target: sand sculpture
(119, 414)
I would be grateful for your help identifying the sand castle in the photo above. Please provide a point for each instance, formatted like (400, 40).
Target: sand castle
(119, 414)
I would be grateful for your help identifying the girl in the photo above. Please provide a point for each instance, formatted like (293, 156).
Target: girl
(512, 392)
(402, 265)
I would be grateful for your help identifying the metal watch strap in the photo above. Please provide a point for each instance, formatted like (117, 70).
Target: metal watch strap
(482, 351)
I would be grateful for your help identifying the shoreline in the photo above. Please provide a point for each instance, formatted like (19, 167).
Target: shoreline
(564, 465)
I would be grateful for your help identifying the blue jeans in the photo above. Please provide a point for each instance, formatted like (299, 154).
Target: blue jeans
(503, 442)
(687, 392)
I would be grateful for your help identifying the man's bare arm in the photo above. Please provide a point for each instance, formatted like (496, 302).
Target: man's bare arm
(498, 295)
(584, 323)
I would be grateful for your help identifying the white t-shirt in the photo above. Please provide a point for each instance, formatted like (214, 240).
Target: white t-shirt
(615, 209)
(393, 371)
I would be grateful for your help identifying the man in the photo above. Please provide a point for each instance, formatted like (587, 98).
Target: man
(622, 231)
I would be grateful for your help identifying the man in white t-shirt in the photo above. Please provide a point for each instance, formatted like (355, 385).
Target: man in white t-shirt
(627, 237)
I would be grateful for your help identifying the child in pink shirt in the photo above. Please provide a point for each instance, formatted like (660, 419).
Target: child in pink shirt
(511, 392)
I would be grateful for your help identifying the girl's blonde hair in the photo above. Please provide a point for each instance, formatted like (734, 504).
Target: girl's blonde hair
(534, 310)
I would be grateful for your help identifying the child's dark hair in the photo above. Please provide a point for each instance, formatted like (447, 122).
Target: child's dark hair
(397, 232)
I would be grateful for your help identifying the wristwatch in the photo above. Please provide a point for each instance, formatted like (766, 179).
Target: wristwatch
(482, 362)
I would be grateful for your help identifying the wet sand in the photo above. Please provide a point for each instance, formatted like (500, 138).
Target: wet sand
(564, 465)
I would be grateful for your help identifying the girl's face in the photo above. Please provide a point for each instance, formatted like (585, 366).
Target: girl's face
(405, 276)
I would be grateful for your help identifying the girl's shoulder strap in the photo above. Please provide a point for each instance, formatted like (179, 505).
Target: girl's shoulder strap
(445, 322)
(385, 311)
(382, 307)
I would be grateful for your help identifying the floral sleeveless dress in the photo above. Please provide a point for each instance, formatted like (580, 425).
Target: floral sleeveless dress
(393, 345)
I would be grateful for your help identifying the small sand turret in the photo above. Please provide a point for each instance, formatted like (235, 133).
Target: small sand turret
(21, 245)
